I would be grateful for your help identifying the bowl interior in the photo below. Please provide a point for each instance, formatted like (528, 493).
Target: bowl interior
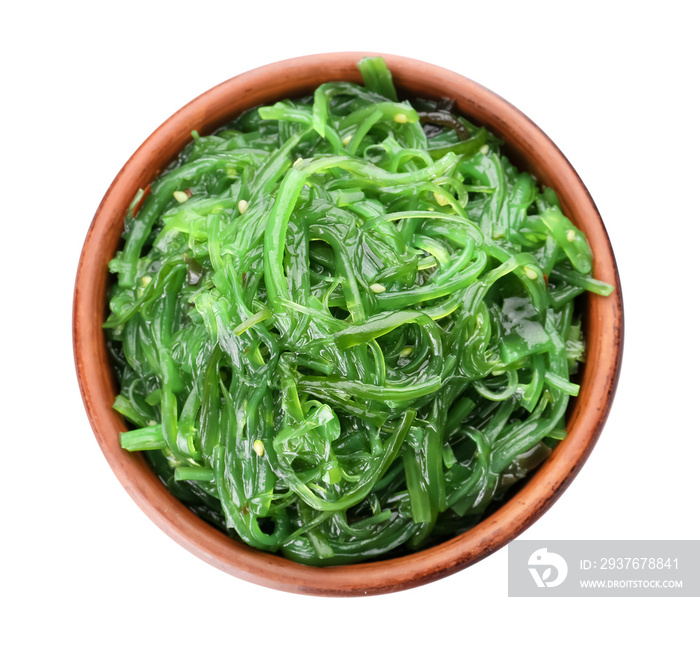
(528, 147)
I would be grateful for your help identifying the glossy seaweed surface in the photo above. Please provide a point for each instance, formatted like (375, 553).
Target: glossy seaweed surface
(344, 325)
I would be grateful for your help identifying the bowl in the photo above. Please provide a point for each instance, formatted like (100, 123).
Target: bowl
(528, 147)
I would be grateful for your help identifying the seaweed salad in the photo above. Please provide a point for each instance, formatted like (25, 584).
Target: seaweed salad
(344, 325)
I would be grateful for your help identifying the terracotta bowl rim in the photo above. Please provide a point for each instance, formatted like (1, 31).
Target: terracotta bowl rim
(604, 318)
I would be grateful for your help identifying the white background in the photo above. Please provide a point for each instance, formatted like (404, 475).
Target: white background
(83, 84)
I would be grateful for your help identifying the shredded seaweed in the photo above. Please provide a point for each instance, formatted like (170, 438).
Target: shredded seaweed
(344, 328)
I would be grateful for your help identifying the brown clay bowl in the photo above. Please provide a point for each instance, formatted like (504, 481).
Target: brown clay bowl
(528, 147)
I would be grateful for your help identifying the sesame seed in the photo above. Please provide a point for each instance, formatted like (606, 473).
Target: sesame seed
(259, 447)
(484, 150)
(180, 196)
(406, 351)
(146, 280)
(242, 206)
(441, 200)
(530, 272)
(401, 118)
(570, 236)
(346, 139)
(377, 288)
